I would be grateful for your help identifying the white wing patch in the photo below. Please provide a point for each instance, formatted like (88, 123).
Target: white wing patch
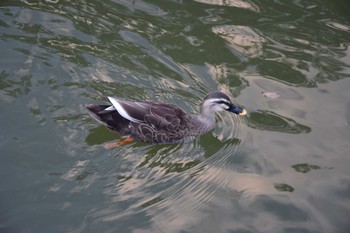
(121, 110)
(110, 108)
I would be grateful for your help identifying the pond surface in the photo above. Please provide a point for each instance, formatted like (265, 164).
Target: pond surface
(285, 167)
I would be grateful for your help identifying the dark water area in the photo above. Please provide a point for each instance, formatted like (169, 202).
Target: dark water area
(285, 167)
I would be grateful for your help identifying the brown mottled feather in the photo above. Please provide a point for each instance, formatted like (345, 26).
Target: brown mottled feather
(161, 122)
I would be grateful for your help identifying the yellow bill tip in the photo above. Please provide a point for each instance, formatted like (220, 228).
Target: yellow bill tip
(244, 112)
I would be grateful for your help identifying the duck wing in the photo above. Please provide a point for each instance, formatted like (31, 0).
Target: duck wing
(132, 111)
(164, 123)
(146, 121)
(166, 117)
(158, 115)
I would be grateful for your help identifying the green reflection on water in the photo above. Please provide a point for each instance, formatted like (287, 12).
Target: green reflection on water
(57, 56)
(267, 120)
(159, 156)
(180, 166)
(305, 167)
(283, 73)
(152, 202)
(100, 135)
(16, 88)
(283, 187)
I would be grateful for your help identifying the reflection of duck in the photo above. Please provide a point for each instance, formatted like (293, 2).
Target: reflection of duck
(161, 122)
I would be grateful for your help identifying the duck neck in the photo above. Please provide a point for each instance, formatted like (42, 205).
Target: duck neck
(206, 121)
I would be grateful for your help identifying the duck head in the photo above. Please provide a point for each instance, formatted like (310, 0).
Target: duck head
(218, 101)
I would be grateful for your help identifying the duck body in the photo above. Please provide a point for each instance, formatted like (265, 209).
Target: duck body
(161, 122)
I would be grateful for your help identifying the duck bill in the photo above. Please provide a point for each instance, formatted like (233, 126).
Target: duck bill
(238, 110)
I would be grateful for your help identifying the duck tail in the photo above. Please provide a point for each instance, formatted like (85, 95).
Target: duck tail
(109, 117)
(96, 110)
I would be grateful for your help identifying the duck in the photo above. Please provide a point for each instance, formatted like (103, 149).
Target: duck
(160, 123)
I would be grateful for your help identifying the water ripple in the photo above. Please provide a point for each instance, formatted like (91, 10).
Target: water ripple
(243, 39)
(274, 170)
(232, 3)
(178, 173)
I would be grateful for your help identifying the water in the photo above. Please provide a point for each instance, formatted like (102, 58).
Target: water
(283, 168)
